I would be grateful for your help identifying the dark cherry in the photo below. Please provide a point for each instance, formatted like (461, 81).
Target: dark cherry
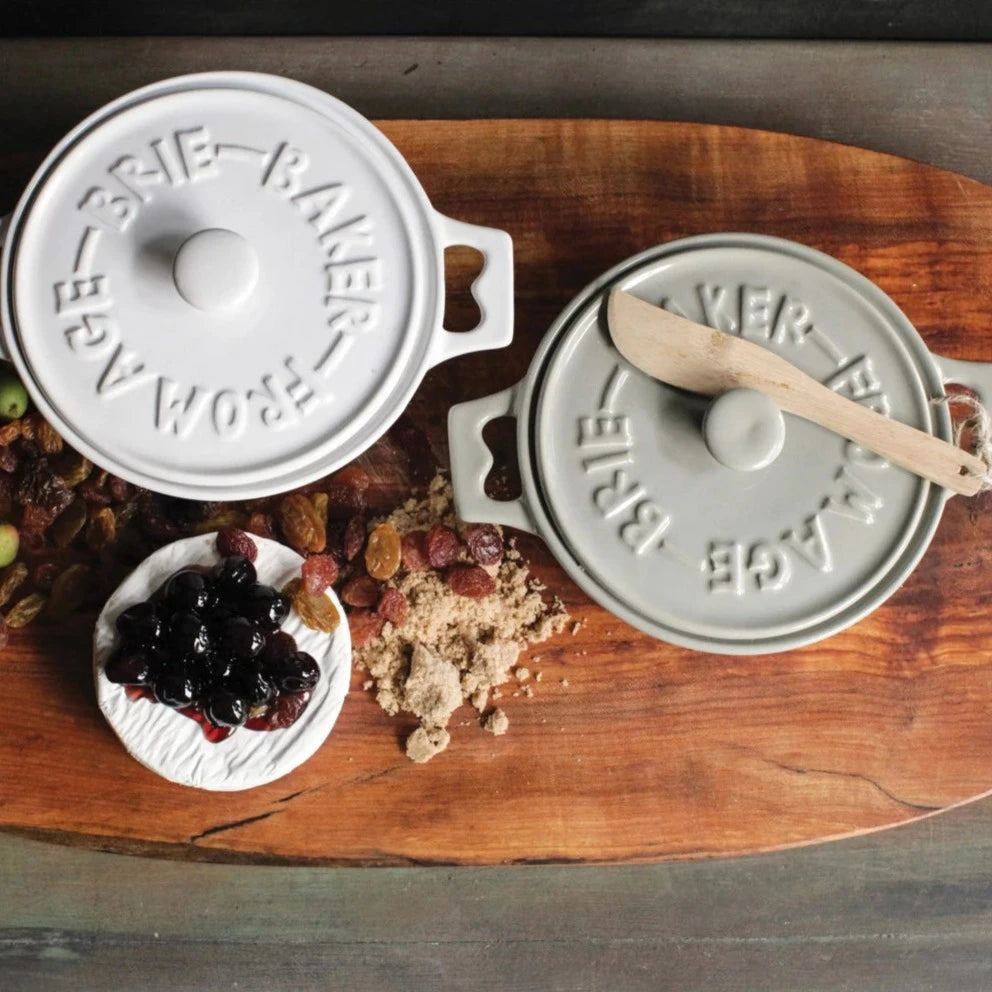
(131, 666)
(175, 689)
(141, 624)
(265, 605)
(188, 635)
(278, 647)
(227, 710)
(297, 673)
(188, 589)
(251, 685)
(234, 576)
(241, 639)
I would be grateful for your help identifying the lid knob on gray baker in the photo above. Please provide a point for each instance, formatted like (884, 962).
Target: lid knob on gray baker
(744, 430)
(215, 270)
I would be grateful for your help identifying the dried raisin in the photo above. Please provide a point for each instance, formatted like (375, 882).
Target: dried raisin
(320, 501)
(48, 438)
(120, 489)
(361, 591)
(485, 544)
(10, 432)
(94, 490)
(301, 526)
(9, 459)
(364, 626)
(354, 476)
(73, 469)
(36, 519)
(234, 541)
(316, 612)
(344, 501)
(382, 553)
(354, 536)
(442, 546)
(261, 525)
(26, 609)
(102, 529)
(393, 606)
(43, 575)
(68, 524)
(69, 591)
(319, 572)
(471, 580)
(414, 551)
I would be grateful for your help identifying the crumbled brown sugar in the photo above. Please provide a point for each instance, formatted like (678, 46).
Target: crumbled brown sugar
(452, 648)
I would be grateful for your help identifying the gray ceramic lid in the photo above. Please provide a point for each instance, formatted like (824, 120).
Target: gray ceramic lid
(629, 496)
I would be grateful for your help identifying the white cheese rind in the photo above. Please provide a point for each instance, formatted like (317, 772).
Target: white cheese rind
(173, 745)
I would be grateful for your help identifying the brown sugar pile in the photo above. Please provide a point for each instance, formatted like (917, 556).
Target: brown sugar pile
(453, 648)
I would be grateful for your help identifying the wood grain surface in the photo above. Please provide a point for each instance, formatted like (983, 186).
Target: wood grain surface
(652, 752)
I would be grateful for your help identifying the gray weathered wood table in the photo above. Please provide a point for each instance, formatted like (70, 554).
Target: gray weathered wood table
(904, 909)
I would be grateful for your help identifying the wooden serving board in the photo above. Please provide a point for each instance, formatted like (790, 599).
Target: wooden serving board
(651, 752)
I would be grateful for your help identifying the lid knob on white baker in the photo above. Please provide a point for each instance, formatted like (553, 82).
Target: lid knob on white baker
(744, 430)
(215, 270)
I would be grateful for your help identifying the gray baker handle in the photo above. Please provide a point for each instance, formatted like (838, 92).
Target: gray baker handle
(976, 376)
(471, 461)
(492, 290)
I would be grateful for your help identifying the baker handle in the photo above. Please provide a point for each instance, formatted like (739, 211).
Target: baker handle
(471, 461)
(4, 226)
(492, 290)
(976, 376)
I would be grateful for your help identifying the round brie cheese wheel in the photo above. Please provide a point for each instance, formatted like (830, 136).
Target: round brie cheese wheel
(174, 745)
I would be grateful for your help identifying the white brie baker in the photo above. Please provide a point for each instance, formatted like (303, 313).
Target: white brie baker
(174, 745)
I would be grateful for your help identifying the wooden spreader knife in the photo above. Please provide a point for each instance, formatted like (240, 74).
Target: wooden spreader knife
(703, 360)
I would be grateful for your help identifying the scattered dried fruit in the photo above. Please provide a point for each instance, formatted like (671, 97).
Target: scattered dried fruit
(316, 612)
(414, 551)
(344, 501)
(364, 626)
(354, 476)
(354, 536)
(234, 541)
(485, 544)
(471, 580)
(48, 438)
(25, 610)
(382, 553)
(361, 591)
(12, 578)
(68, 524)
(393, 606)
(102, 529)
(442, 546)
(69, 591)
(261, 525)
(301, 526)
(319, 573)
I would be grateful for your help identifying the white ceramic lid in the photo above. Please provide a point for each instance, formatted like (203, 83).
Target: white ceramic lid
(226, 285)
(705, 523)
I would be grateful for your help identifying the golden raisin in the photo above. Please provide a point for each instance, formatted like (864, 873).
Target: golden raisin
(315, 612)
(68, 524)
(102, 529)
(382, 553)
(69, 591)
(13, 576)
(26, 609)
(301, 525)
(48, 438)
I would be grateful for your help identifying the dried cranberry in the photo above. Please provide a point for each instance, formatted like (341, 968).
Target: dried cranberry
(471, 580)
(319, 572)
(364, 626)
(485, 544)
(414, 551)
(442, 546)
(393, 607)
(361, 591)
(234, 541)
